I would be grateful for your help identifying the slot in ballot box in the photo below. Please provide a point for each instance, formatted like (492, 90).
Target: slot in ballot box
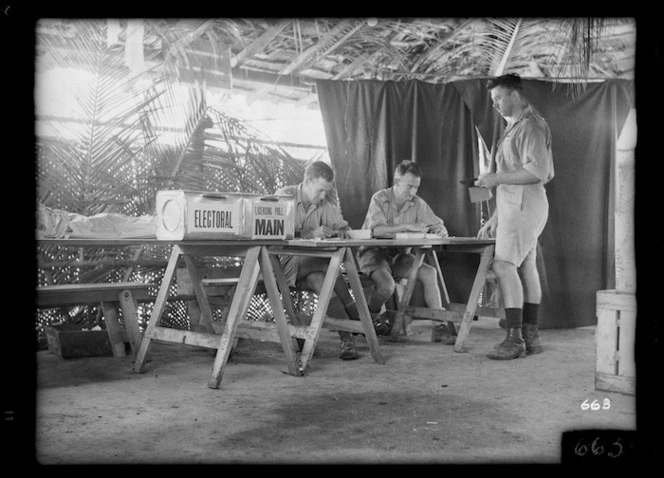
(269, 217)
(223, 215)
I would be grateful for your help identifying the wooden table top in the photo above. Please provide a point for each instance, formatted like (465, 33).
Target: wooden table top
(391, 242)
(314, 243)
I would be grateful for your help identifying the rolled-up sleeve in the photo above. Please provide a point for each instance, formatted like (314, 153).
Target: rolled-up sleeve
(535, 151)
(375, 214)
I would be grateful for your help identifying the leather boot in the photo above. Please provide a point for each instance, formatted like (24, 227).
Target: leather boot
(348, 350)
(441, 333)
(512, 347)
(532, 338)
(381, 324)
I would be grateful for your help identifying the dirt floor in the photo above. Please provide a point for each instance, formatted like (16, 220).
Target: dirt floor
(426, 404)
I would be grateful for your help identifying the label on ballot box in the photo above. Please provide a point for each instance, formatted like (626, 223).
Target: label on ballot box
(269, 217)
(199, 215)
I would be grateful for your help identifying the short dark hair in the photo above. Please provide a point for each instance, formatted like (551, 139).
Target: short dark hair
(407, 166)
(319, 169)
(511, 81)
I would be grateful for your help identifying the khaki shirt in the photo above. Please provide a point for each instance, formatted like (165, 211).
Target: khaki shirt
(526, 144)
(325, 213)
(383, 211)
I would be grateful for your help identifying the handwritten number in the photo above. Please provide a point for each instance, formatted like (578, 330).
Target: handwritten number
(580, 449)
(597, 450)
(620, 449)
(596, 405)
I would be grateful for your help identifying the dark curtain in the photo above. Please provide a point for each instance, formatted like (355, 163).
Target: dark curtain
(372, 125)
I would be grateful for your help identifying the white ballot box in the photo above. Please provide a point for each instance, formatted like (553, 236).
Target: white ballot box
(223, 215)
(198, 215)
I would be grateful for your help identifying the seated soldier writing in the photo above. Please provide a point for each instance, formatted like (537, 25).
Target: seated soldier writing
(317, 216)
(394, 210)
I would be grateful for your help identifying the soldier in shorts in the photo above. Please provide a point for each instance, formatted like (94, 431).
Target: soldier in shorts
(524, 164)
(316, 215)
(393, 210)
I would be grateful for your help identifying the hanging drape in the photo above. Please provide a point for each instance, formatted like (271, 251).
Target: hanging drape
(372, 125)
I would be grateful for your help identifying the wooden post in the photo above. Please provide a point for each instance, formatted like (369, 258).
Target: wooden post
(624, 207)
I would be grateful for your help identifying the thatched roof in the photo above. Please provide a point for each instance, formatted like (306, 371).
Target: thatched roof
(280, 59)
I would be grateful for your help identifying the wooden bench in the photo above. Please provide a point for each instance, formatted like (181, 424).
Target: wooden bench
(111, 296)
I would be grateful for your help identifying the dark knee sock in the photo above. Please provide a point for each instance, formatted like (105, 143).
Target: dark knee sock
(513, 317)
(530, 312)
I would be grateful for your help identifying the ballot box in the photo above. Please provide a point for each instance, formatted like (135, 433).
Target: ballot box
(268, 217)
(191, 215)
(199, 215)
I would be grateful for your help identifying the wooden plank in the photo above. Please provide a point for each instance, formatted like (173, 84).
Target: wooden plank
(114, 329)
(158, 309)
(201, 296)
(267, 331)
(362, 306)
(238, 310)
(128, 305)
(292, 251)
(606, 336)
(218, 248)
(279, 316)
(187, 337)
(494, 312)
(344, 325)
(64, 294)
(616, 300)
(473, 298)
(433, 314)
(615, 383)
(454, 244)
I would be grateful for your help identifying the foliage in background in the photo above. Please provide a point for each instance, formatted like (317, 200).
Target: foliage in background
(134, 133)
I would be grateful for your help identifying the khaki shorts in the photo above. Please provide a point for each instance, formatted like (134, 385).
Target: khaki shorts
(398, 261)
(522, 215)
(295, 266)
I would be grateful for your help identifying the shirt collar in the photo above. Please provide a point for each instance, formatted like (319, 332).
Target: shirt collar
(391, 198)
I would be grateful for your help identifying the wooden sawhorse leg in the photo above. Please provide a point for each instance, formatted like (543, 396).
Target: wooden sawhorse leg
(362, 306)
(238, 309)
(158, 310)
(275, 282)
(400, 321)
(275, 292)
(473, 299)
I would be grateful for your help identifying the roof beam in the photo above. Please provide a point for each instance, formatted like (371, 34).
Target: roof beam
(260, 43)
(322, 46)
(429, 55)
